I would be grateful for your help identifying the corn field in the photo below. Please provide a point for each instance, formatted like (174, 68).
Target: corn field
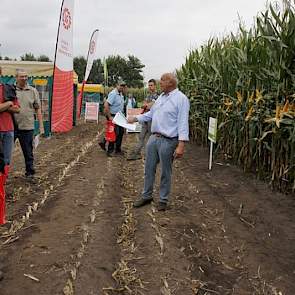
(247, 81)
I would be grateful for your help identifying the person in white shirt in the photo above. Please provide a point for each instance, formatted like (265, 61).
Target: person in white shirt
(170, 131)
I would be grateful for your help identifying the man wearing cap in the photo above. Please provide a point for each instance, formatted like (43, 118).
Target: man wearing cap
(170, 131)
(30, 106)
(113, 105)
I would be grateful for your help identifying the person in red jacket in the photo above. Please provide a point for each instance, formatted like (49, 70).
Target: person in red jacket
(8, 106)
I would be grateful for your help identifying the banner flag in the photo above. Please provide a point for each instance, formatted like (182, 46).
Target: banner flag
(90, 60)
(91, 53)
(62, 93)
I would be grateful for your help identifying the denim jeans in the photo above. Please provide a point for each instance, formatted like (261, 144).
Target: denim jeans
(26, 138)
(145, 132)
(7, 142)
(158, 150)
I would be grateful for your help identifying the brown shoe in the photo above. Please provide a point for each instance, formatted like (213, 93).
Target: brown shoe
(162, 206)
(1, 275)
(141, 202)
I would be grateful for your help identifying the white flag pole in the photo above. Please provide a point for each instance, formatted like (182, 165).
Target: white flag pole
(211, 155)
(212, 136)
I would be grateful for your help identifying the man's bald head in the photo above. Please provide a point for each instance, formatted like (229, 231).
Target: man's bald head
(168, 82)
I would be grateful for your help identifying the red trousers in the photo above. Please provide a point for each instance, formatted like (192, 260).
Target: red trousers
(3, 177)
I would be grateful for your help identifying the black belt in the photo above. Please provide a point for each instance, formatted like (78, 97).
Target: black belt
(157, 134)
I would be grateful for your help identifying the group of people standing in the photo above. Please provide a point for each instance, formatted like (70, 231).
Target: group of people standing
(19, 104)
(116, 102)
(165, 122)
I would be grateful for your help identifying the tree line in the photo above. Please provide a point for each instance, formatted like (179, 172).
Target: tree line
(127, 68)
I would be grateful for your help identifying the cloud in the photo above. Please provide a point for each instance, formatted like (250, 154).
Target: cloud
(159, 32)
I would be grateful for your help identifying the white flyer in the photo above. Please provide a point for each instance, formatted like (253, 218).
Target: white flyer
(134, 112)
(36, 141)
(121, 120)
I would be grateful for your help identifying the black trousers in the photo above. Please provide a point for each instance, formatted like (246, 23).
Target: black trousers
(26, 138)
(119, 137)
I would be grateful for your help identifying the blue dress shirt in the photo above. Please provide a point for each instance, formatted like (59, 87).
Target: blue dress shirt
(169, 115)
(116, 101)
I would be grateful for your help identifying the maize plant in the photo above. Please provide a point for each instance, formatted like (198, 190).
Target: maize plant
(247, 81)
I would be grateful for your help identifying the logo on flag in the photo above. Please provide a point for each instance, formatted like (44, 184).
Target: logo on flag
(66, 18)
(92, 47)
(62, 101)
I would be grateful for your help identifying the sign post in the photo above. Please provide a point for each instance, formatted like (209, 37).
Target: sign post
(212, 136)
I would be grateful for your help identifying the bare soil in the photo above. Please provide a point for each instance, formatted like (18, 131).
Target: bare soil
(74, 230)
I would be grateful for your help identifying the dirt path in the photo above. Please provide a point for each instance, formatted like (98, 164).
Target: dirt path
(75, 231)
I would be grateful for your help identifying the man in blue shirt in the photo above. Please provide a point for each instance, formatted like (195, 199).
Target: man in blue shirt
(113, 105)
(170, 131)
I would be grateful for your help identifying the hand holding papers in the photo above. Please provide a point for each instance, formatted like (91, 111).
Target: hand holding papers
(121, 120)
(131, 113)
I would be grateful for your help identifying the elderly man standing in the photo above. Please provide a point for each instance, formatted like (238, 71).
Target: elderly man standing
(170, 131)
(28, 98)
(113, 105)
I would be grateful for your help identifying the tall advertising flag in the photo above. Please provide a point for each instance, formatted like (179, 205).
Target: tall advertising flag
(90, 59)
(62, 94)
(105, 72)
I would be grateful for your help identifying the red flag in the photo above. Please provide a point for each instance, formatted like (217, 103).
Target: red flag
(62, 93)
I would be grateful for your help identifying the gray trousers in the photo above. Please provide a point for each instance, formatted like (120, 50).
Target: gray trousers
(158, 150)
(145, 132)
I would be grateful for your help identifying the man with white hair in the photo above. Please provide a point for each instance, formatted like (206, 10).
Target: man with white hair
(170, 131)
(28, 98)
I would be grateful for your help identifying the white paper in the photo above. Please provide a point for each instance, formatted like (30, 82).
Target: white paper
(36, 141)
(121, 120)
(133, 112)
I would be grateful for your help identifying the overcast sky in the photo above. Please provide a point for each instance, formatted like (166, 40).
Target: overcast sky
(159, 32)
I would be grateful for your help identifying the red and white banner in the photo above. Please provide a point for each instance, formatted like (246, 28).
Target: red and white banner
(91, 54)
(62, 95)
(90, 59)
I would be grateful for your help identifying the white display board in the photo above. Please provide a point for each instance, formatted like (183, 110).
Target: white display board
(212, 132)
(91, 111)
